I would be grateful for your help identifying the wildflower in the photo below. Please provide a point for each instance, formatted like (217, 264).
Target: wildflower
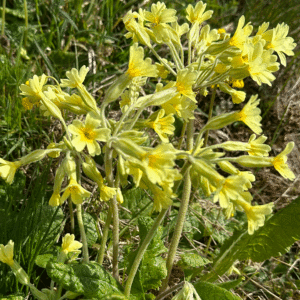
(238, 83)
(33, 89)
(255, 214)
(197, 15)
(241, 34)
(161, 125)
(278, 41)
(75, 78)
(185, 80)
(106, 192)
(137, 65)
(88, 134)
(75, 191)
(230, 188)
(159, 15)
(237, 96)
(119, 196)
(8, 170)
(69, 244)
(257, 146)
(279, 162)
(250, 115)
(59, 178)
(7, 253)
(257, 65)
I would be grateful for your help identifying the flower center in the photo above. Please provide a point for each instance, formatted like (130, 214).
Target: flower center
(88, 133)
(132, 71)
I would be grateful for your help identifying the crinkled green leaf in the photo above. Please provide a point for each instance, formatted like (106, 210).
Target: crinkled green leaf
(91, 279)
(273, 239)
(210, 291)
(90, 229)
(42, 260)
(193, 260)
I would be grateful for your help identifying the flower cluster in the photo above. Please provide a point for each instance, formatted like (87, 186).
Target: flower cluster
(141, 143)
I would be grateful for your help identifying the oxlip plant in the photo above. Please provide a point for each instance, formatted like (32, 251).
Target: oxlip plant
(139, 150)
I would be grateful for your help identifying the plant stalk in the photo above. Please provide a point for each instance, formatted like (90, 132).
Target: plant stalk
(142, 250)
(104, 236)
(115, 211)
(3, 17)
(182, 212)
(85, 249)
(211, 106)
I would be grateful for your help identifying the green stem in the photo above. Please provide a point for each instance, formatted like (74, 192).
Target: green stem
(182, 135)
(142, 250)
(3, 17)
(182, 210)
(211, 106)
(26, 23)
(85, 249)
(163, 62)
(71, 215)
(178, 230)
(115, 211)
(176, 57)
(104, 237)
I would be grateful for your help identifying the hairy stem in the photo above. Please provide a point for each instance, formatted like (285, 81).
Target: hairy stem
(104, 236)
(115, 211)
(182, 212)
(85, 249)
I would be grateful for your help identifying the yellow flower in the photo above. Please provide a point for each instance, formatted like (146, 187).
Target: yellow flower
(241, 34)
(257, 146)
(69, 244)
(184, 82)
(197, 15)
(250, 115)
(119, 196)
(278, 41)
(161, 125)
(158, 163)
(75, 79)
(230, 188)
(279, 162)
(75, 191)
(137, 65)
(106, 192)
(258, 65)
(7, 253)
(88, 134)
(159, 15)
(55, 199)
(8, 170)
(255, 214)
(237, 96)
(34, 89)
(238, 83)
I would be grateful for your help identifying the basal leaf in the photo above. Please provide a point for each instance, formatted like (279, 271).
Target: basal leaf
(91, 279)
(193, 260)
(273, 239)
(210, 291)
(42, 260)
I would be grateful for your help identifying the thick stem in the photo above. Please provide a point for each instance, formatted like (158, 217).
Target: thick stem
(142, 250)
(115, 211)
(182, 211)
(85, 249)
(104, 237)
(211, 106)
(178, 229)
